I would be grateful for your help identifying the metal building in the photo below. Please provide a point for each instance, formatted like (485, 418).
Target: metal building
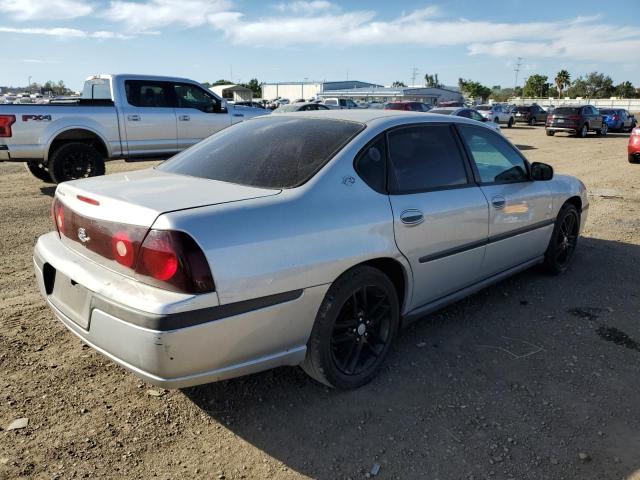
(429, 95)
(296, 90)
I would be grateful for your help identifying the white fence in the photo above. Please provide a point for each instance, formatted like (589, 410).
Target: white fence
(631, 104)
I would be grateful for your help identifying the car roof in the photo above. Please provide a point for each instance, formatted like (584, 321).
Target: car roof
(369, 116)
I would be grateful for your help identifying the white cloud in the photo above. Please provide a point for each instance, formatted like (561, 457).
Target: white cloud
(138, 17)
(301, 7)
(63, 32)
(45, 10)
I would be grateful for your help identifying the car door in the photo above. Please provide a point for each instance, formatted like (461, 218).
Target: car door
(440, 215)
(520, 221)
(199, 114)
(149, 118)
(596, 118)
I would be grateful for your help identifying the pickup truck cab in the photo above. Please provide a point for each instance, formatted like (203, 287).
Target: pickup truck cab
(118, 116)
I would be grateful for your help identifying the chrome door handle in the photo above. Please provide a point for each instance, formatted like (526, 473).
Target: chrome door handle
(498, 202)
(411, 216)
(184, 118)
(133, 118)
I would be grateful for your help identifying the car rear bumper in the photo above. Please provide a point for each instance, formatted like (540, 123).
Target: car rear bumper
(562, 129)
(225, 342)
(4, 153)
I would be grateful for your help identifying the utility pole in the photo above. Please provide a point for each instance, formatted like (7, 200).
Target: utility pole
(517, 70)
(29, 85)
(414, 74)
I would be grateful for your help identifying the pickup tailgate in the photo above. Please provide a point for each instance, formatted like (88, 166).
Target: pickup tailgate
(137, 198)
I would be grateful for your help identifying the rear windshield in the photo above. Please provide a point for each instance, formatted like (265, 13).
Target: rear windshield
(396, 106)
(287, 108)
(523, 109)
(566, 111)
(268, 152)
(441, 111)
(483, 107)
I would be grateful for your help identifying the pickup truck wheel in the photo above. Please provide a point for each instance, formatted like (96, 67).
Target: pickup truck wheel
(564, 240)
(496, 120)
(510, 123)
(75, 160)
(550, 133)
(603, 131)
(354, 329)
(532, 121)
(37, 170)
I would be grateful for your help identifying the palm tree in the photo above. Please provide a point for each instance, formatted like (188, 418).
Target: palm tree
(563, 79)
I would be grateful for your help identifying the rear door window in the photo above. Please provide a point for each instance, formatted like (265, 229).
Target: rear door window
(495, 159)
(142, 93)
(371, 164)
(423, 158)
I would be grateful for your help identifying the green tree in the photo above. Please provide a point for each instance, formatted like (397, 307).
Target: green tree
(562, 80)
(501, 94)
(398, 83)
(536, 86)
(474, 90)
(221, 82)
(255, 86)
(625, 90)
(431, 80)
(594, 85)
(578, 88)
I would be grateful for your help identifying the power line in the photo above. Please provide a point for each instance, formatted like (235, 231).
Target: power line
(517, 70)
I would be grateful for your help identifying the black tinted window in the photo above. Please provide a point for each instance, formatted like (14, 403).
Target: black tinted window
(371, 164)
(496, 160)
(465, 113)
(192, 96)
(142, 93)
(566, 111)
(271, 152)
(424, 158)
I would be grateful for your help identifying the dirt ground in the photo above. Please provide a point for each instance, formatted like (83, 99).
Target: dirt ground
(534, 378)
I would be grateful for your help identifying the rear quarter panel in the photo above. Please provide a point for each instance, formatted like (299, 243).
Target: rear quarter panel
(32, 138)
(300, 238)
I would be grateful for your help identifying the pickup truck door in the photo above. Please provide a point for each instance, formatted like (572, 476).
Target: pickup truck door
(520, 209)
(149, 119)
(199, 113)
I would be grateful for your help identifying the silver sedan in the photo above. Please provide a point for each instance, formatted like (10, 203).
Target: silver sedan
(467, 113)
(298, 239)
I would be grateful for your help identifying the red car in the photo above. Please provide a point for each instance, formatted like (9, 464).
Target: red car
(634, 146)
(408, 106)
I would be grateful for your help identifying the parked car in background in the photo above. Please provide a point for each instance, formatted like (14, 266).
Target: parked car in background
(408, 106)
(577, 121)
(634, 146)
(340, 103)
(252, 104)
(118, 116)
(301, 107)
(530, 114)
(618, 119)
(298, 240)
(466, 113)
(497, 114)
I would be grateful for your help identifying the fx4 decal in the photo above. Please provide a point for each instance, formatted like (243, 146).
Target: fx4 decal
(36, 118)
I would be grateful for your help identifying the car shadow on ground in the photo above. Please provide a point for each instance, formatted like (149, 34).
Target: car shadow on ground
(526, 147)
(499, 382)
(48, 191)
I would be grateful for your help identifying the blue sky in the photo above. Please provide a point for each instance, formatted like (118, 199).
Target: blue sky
(277, 40)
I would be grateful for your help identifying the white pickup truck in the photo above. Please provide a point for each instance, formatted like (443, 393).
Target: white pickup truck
(118, 116)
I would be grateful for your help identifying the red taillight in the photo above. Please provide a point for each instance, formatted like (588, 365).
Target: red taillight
(122, 249)
(162, 258)
(88, 200)
(58, 215)
(5, 125)
(635, 132)
(159, 258)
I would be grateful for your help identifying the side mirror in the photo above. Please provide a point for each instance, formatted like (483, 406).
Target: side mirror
(220, 107)
(541, 171)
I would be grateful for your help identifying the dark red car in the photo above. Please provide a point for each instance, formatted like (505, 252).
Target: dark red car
(408, 106)
(634, 146)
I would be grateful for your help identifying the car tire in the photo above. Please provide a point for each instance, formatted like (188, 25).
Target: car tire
(634, 158)
(496, 120)
(37, 170)
(354, 329)
(583, 131)
(75, 160)
(564, 240)
(510, 123)
(532, 122)
(601, 132)
(550, 133)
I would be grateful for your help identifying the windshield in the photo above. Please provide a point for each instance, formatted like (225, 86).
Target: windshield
(566, 111)
(441, 111)
(607, 111)
(272, 152)
(483, 107)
